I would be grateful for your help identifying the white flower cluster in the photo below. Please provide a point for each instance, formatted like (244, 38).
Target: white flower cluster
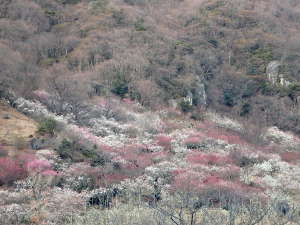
(275, 173)
(224, 122)
(25, 184)
(7, 197)
(162, 169)
(12, 214)
(149, 122)
(37, 110)
(62, 203)
(286, 139)
(77, 183)
(140, 185)
(48, 155)
(266, 167)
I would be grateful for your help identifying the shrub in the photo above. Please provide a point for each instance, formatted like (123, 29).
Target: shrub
(139, 25)
(135, 2)
(69, 1)
(193, 142)
(38, 166)
(197, 115)
(185, 106)
(223, 197)
(132, 132)
(65, 149)
(245, 161)
(120, 86)
(230, 137)
(245, 109)
(242, 160)
(3, 152)
(47, 126)
(103, 199)
(98, 5)
(208, 159)
(164, 141)
(37, 143)
(99, 159)
(10, 171)
(290, 156)
(229, 98)
(77, 152)
(119, 17)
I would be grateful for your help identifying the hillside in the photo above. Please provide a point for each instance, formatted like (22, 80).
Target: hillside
(157, 51)
(149, 112)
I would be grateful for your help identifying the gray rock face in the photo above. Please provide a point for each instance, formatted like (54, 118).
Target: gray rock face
(273, 71)
(274, 76)
(199, 94)
(189, 98)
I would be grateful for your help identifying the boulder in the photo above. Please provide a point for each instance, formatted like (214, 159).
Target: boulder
(37, 143)
(273, 71)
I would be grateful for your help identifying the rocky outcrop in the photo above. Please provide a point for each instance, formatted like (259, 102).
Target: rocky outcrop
(274, 76)
(273, 71)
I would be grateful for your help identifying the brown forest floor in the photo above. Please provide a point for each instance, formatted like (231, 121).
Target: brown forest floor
(15, 127)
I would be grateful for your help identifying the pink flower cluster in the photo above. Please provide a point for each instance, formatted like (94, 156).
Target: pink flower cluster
(225, 136)
(290, 156)
(128, 101)
(188, 180)
(40, 167)
(137, 156)
(164, 141)
(212, 131)
(207, 159)
(194, 140)
(10, 170)
(42, 95)
(84, 134)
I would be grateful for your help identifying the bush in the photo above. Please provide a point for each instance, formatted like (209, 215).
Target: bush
(3, 152)
(65, 149)
(164, 141)
(135, 2)
(242, 160)
(229, 98)
(197, 115)
(10, 171)
(47, 127)
(131, 132)
(99, 160)
(193, 142)
(209, 159)
(139, 25)
(37, 143)
(224, 197)
(185, 106)
(103, 199)
(120, 86)
(69, 1)
(119, 17)
(77, 152)
(290, 156)
(98, 5)
(245, 110)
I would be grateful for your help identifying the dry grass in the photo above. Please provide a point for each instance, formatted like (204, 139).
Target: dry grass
(14, 125)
